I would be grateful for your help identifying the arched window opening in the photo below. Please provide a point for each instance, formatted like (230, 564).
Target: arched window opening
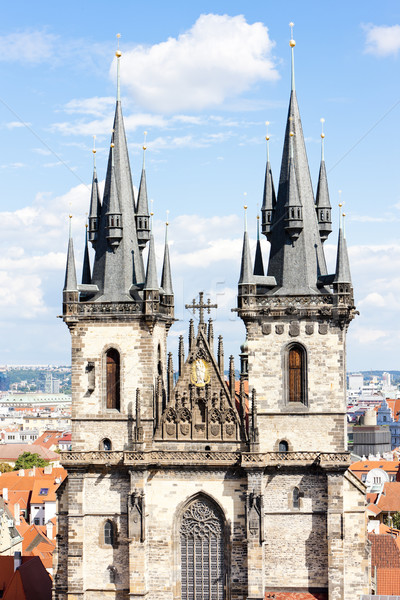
(297, 375)
(296, 498)
(113, 378)
(108, 533)
(202, 552)
(106, 443)
(283, 446)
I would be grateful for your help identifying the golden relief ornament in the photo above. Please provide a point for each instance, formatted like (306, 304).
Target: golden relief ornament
(200, 374)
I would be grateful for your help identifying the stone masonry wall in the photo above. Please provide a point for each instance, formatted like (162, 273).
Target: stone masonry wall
(138, 349)
(325, 352)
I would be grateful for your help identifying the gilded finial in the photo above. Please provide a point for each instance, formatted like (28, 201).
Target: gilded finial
(245, 211)
(291, 136)
(322, 138)
(166, 228)
(94, 151)
(344, 227)
(340, 207)
(144, 147)
(118, 54)
(167, 223)
(69, 225)
(292, 44)
(151, 215)
(267, 139)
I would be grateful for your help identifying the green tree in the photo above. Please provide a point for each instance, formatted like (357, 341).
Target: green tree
(27, 460)
(394, 520)
(5, 468)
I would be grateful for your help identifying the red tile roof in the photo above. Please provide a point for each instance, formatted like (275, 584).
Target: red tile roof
(30, 581)
(10, 452)
(363, 466)
(385, 553)
(388, 582)
(389, 499)
(48, 439)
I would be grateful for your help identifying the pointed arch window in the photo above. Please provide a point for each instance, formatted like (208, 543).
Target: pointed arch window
(108, 533)
(202, 552)
(296, 497)
(113, 379)
(297, 375)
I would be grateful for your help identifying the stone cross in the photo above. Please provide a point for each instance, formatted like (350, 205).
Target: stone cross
(201, 306)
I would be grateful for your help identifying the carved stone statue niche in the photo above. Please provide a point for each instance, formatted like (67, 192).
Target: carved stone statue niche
(136, 516)
(90, 370)
(255, 517)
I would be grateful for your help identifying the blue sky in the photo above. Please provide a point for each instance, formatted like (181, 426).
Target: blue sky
(201, 78)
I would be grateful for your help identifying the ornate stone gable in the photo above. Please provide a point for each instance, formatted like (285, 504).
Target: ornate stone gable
(200, 407)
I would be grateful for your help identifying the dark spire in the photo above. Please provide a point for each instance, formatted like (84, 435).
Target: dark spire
(142, 210)
(181, 355)
(323, 205)
(119, 275)
(269, 198)
(258, 261)
(232, 377)
(151, 282)
(294, 210)
(296, 267)
(166, 278)
(170, 377)
(210, 335)
(342, 273)
(70, 283)
(191, 335)
(95, 204)
(246, 275)
(86, 274)
(221, 355)
(113, 214)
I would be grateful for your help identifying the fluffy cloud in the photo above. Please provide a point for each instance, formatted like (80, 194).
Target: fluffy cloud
(218, 58)
(28, 46)
(382, 40)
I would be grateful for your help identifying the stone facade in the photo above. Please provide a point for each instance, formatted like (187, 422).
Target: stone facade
(185, 490)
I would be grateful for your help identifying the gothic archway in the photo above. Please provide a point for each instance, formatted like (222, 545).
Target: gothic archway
(202, 551)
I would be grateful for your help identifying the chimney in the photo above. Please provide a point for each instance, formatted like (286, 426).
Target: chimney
(47, 470)
(17, 560)
(5, 494)
(49, 530)
(21, 473)
(17, 517)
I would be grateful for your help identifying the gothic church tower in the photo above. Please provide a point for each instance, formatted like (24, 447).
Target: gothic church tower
(198, 488)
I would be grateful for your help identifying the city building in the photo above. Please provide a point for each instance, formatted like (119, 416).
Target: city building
(174, 489)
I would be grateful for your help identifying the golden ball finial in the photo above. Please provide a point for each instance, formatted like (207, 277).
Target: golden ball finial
(292, 43)
(340, 205)
(245, 207)
(70, 216)
(291, 134)
(94, 150)
(267, 138)
(118, 54)
(322, 135)
(258, 217)
(112, 145)
(151, 214)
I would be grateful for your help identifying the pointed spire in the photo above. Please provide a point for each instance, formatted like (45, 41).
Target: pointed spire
(151, 282)
(294, 212)
(181, 355)
(220, 356)
(296, 267)
(292, 44)
(342, 273)
(170, 377)
(322, 204)
(232, 377)
(166, 278)
(245, 269)
(210, 335)
(95, 204)
(142, 209)
(86, 274)
(258, 261)
(269, 198)
(191, 334)
(118, 54)
(114, 215)
(70, 283)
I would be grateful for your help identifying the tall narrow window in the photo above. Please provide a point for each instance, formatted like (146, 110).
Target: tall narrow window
(296, 498)
(108, 533)
(113, 375)
(202, 552)
(297, 374)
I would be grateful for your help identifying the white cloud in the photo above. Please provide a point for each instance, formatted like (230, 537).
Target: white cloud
(27, 46)
(16, 124)
(218, 58)
(382, 40)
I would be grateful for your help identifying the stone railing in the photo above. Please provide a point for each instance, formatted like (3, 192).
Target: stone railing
(182, 457)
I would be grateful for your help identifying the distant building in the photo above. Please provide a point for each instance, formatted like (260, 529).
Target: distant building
(370, 438)
(356, 381)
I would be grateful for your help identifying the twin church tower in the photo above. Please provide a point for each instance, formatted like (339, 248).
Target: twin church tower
(199, 487)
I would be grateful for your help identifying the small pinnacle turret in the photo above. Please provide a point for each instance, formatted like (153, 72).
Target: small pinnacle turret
(166, 278)
(269, 198)
(113, 214)
(142, 211)
(86, 274)
(246, 273)
(95, 206)
(342, 272)
(294, 209)
(258, 261)
(70, 282)
(323, 205)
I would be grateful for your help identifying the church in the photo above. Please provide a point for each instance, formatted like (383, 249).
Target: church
(184, 484)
